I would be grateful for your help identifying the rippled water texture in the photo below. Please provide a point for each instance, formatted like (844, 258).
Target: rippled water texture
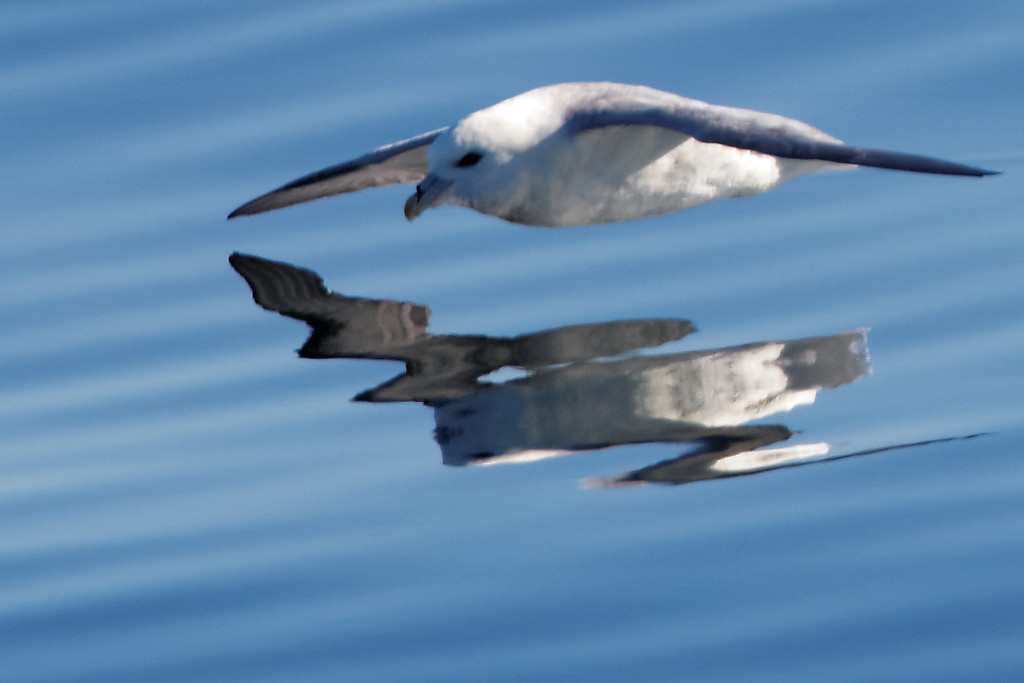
(775, 438)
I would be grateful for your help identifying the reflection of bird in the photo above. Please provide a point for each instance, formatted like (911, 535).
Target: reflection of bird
(577, 391)
(585, 153)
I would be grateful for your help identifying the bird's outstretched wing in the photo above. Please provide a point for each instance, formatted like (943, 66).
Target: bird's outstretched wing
(765, 133)
(399, 162)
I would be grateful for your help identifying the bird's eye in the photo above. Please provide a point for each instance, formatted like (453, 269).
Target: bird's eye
(469, 159)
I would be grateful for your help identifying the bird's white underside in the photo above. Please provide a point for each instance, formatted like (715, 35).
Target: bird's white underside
(622, 173)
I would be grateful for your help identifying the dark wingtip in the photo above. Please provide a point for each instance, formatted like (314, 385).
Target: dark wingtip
(248, 209)
(243, 210)
(297, 192)
(973, 171)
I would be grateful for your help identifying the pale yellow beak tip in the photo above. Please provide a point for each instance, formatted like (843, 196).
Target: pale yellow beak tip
(412, 208)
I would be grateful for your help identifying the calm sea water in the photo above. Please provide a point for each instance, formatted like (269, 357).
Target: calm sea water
(182, 498)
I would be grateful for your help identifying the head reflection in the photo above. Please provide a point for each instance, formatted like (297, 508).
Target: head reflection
(576, 391)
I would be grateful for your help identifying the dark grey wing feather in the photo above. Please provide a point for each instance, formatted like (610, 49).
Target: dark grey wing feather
(765, 133)
(400, 162)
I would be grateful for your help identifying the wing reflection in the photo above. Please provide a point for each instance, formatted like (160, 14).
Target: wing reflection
(577, 392)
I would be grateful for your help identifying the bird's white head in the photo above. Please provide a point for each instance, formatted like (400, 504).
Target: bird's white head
(479, 162)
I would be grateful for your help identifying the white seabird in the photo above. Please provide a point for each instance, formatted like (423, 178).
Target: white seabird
(585, 153)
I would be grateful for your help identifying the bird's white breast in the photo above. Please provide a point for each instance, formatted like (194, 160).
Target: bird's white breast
(629, 172)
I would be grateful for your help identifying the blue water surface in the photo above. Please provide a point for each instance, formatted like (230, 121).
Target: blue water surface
(183, 499)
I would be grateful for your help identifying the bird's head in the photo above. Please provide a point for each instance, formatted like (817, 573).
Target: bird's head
(479, 162)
